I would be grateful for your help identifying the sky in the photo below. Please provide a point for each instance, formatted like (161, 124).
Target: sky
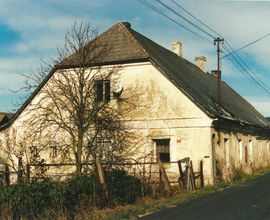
(31, 31)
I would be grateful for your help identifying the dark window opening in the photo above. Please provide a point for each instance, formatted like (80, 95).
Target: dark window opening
(107, 91)
(246, 154)
(53, 153)
(163, 150)
(103, 89)
(99, 92)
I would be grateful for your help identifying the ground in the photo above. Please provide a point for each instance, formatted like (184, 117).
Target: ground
(245, 201)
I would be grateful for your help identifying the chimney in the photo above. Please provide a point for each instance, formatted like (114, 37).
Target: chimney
(214, 73)
(126, 24)
(201, 63)
(177, 48)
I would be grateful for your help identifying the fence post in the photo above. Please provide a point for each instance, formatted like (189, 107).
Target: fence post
(181, 175)
(165, 180)
(201, 174)
(190, 177)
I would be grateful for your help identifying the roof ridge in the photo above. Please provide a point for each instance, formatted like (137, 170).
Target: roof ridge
(133, 38)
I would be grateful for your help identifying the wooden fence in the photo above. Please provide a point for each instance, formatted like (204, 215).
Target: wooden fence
(5, 176)
(149, 172)
(152, 173)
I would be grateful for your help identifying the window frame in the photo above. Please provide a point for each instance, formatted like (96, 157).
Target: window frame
(103, 90)
(166, 151)
(53, 151)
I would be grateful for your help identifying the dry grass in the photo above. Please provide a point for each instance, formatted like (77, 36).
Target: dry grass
(140, 207)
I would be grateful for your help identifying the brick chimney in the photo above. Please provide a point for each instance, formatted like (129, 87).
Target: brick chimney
(201, 63)
(177, 48)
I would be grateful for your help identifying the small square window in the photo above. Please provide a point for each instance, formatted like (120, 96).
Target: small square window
(163, 150)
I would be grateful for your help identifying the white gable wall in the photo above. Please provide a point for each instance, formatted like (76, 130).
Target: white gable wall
(165, 112)
(162, 111)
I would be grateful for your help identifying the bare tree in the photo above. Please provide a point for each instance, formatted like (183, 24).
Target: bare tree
(8, 155)
(75, 110)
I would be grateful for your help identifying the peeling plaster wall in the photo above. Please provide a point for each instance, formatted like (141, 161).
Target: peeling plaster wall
(255, 152)
(161, 111)
(157, 96)
(165, 112)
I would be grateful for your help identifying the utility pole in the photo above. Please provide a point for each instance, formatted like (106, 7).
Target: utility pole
(217, 42)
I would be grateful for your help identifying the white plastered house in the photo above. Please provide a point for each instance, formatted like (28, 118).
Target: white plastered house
(179, 116)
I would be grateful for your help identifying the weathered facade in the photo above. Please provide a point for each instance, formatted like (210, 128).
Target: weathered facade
(176, 114)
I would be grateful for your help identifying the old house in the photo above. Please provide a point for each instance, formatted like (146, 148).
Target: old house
(177, 113)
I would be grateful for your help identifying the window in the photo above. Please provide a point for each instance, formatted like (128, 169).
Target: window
(163, 149)
(227, 152)
(246, 154)
(53, 153)
(240, 145)
(250, 147)
(103, 88)
(33, 151)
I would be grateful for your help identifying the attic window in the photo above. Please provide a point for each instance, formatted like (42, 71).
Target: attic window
(163, 150)
(103, 88)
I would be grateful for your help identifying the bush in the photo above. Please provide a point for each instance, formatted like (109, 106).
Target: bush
(122, 187)
(86, 190)
(30, 200)
(81, 192)
(46, 200)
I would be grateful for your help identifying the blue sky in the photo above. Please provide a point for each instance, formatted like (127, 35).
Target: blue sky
(32, 30)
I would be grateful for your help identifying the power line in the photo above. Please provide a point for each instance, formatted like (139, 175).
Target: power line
(185, 19)
(235, 58)
(243, 71)
(239, 61)
(174, 21)
(197, 19)
(247, 68)
(247, 45)
(242, 66)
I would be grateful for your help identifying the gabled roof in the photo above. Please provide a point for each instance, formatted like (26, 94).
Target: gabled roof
(200, 86)
(127, 46)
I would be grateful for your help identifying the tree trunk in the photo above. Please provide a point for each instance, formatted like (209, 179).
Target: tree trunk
(102, 181)
(79, 156)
